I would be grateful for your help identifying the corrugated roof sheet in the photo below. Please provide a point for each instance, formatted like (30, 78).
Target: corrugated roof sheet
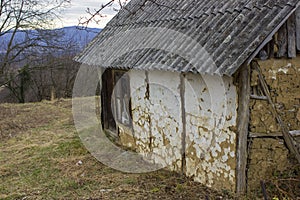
(204, 36)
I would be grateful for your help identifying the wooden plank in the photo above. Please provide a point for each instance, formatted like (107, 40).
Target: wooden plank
(271, 48)
(270, 36)
(282, 41)
(264, 190)
(297, 13)
(242, 127)
(264, 135)
(256, 97)
(276, 134)
(106, 100)
(183, 134)
(285, 131)
(291, 30)
(295, 133)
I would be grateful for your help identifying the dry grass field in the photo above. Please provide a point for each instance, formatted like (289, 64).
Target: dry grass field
(42, 157)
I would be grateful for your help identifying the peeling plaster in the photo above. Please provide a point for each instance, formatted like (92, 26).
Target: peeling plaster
(157, 112)
(210, 110)
(211, 151)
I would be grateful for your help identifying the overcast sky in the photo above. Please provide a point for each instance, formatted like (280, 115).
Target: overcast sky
(77, 9)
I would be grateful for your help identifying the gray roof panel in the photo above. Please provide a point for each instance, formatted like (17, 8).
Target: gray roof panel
(229, 31)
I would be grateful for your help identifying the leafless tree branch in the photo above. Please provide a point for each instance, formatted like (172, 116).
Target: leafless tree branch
(97, 14)
(19, 16)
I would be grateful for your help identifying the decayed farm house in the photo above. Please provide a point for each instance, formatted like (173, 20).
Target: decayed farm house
(226, 113)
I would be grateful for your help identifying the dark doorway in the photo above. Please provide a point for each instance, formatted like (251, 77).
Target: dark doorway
(115, 98)
(108, 121)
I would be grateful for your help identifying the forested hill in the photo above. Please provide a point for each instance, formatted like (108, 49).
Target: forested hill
(73, 37)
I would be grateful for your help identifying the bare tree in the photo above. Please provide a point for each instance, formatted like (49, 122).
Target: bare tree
(96, 15)
(51, 76)
(18, 16)
(54, 76)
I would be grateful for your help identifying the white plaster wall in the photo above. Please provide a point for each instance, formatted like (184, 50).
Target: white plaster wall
(157, 118)
(210, 109)
(210, 106)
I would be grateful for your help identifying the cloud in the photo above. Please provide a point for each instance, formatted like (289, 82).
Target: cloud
(77, 9)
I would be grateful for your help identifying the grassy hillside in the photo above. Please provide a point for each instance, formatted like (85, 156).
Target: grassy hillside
(42, 157)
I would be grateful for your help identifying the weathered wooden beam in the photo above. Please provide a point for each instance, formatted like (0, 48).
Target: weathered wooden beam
(295, 133)
(263, 135)
(282, 41)
(242, 128)
(291, 30)
(264, 190)
(183, 134)
(297, 13)
(270, 36)
(285, 131)
(271, 48)
(275, 134)
(255, 97)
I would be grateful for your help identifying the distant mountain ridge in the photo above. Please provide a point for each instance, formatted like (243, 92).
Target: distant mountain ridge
(77, 37)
